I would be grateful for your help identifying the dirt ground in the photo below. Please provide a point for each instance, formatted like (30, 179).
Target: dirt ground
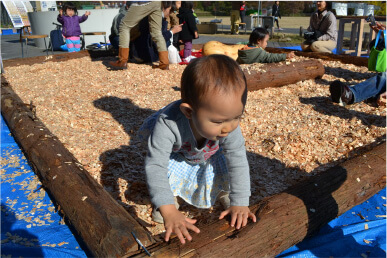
(291, 132)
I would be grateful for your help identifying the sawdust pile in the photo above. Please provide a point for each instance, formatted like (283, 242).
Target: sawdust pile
(291, 132)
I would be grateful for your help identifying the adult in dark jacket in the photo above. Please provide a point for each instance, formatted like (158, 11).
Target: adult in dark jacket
(276, 13)
(189, 30)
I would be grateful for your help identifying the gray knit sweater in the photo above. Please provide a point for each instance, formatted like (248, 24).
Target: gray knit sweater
(172, 133)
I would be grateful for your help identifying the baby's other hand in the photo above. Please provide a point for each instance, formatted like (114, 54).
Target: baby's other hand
(176, 222)
(87, 13)
(239, 214)
(290, 55)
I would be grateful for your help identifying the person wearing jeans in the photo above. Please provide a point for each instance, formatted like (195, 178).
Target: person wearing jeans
(373, 87)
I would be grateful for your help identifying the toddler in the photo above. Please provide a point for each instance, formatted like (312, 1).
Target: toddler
(196, 150)
(189, 30)
(68, 17)
(255, 52)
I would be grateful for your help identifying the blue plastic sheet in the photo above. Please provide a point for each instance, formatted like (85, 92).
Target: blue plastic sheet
(30, 226)
(359, 232)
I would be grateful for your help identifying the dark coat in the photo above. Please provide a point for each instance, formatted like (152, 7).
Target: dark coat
(166, 33)
(276, 11)
(189, 27)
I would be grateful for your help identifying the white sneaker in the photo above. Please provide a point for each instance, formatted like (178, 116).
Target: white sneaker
(280, 29)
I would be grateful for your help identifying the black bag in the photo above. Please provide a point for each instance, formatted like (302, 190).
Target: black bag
(56, 40)
(312, 36)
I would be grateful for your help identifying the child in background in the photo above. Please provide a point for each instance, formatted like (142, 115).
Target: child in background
(174, 21)
(196, 149)
(189, 30)
(68, 17)
(255, 52)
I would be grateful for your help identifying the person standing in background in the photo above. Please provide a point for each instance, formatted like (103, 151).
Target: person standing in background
(174, 21)
(242, 12)
(276, 13)
(235, 16)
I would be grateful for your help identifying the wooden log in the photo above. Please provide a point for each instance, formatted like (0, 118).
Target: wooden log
(280, 74)
(104, 226)
(345, 59)
(285, 219)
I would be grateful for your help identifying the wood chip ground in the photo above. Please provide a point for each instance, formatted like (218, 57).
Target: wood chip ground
(291, 132)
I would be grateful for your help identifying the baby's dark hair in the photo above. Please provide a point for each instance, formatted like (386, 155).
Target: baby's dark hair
(257, 35)
(187, 4)
(209, 74)
(71, 6)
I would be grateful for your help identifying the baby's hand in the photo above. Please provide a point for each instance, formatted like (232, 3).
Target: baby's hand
(176, 222)
(239, 214)
(87, 13)
(290, 55)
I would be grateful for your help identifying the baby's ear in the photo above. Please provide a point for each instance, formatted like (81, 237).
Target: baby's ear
(186, 109)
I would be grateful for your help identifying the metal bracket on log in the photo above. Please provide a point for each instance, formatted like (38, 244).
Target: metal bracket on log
(280, 74)
(103, 224)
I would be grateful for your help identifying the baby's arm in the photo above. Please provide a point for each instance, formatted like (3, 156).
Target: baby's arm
(238, 168)
(160, 145)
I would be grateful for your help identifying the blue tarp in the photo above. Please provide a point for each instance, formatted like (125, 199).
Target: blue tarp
(30, 227)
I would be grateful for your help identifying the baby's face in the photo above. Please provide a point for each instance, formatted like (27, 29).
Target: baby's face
(218, 116)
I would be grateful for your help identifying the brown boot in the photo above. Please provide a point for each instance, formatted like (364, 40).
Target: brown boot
(120, 64)
(164, 61)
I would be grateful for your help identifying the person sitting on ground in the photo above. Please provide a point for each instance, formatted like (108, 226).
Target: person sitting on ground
(324, 28)
(173, 54)
(374, 87)
(173, 20)
(255, 52)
